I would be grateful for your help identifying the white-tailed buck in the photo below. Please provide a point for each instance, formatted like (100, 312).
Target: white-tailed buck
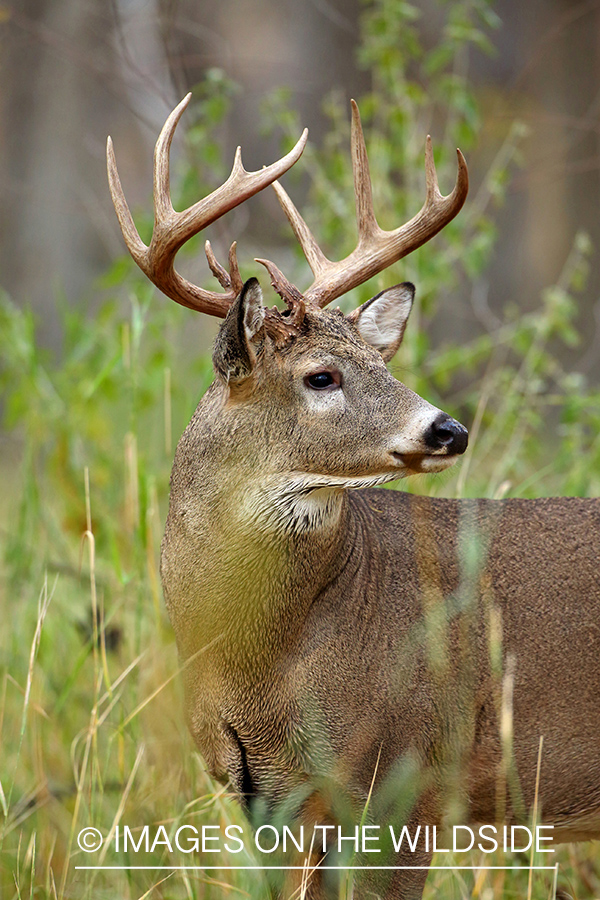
(344, 644)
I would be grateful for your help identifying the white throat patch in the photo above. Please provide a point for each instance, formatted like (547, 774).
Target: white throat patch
(303, 502)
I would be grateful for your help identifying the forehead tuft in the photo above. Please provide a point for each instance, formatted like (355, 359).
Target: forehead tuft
(326, 328)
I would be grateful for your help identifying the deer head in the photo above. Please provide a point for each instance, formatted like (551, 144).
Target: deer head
(307, 366)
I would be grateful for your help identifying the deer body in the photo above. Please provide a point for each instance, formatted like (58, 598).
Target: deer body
(306, 627)
(320, 624)
(336, 640)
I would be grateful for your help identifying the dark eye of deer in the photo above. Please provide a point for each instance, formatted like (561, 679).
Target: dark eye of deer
(322, 381)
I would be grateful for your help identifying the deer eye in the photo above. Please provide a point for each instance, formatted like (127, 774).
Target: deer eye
(323, 381)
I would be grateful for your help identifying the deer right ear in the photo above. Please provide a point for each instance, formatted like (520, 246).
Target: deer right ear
(381, 321)
(234, 355)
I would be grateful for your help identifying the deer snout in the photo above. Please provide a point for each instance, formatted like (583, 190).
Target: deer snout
(447, 434)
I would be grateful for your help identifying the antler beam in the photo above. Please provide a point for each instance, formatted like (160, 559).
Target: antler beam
(376, 249)
(172, 229)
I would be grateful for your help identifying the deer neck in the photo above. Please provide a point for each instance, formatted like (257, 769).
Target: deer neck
(244, 554)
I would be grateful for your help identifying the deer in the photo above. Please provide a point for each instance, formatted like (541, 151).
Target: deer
(348, 650)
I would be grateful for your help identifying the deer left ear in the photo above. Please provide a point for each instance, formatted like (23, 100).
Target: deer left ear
(381, 321)
(234, 355)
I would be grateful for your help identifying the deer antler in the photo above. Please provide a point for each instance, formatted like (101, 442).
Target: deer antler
(376, 249)
(172, 229)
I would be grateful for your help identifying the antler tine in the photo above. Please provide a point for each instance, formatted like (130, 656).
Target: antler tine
(231, 279)
(163, 207)
(313, 253)
(363, 191)
(221, 274)
(286, 290)
(236, 279)
(172, 229)
(431, 181)
(134, 243)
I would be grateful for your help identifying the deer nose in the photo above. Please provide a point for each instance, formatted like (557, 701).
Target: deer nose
(446, 433)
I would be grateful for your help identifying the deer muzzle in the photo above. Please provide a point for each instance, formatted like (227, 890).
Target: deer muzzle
(446, 434)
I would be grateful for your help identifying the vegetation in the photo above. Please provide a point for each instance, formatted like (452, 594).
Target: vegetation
(91, 720)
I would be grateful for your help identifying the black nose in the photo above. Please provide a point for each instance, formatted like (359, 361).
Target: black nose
(446, 433)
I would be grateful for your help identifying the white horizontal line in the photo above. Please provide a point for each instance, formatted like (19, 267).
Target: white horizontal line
(317, 867)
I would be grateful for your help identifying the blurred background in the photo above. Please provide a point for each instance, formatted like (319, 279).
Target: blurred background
(75, 70)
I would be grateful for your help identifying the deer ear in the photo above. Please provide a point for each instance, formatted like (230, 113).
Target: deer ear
(234, 355)
(381, 321)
